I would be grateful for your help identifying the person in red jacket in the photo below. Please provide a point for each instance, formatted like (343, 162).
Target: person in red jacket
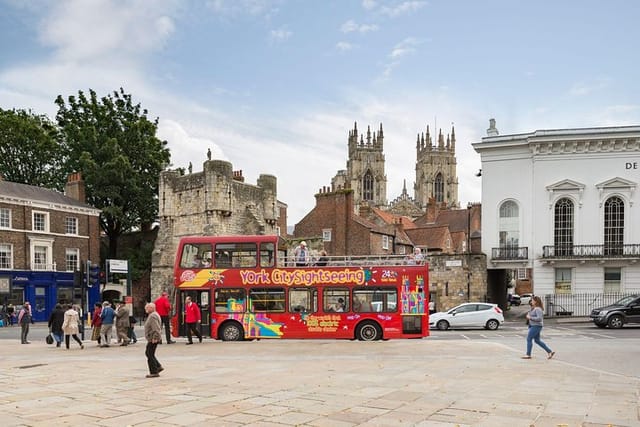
(192, 318)
(163, 308)
(96, 323)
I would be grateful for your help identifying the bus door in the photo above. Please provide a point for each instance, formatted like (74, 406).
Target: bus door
(201, 298)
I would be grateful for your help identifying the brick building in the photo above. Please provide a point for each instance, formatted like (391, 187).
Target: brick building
(456, 274)
(44, 237)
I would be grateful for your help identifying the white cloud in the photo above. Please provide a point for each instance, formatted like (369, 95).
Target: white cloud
(351, 26)
(172, 131)
(400, 50)
(586, 88)
(235, 8)
(344, 46)
(279, 35)
(405, 47)
(368, 4)
(82, 31)
(403, 8)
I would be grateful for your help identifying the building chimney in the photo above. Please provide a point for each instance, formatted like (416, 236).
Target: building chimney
(364, 210)
(74, 187)
(237, 176)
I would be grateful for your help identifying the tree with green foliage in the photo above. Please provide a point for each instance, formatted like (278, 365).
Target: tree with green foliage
(29, 150)
(113, 144)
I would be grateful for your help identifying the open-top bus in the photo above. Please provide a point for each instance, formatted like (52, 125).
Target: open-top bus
(246, 288)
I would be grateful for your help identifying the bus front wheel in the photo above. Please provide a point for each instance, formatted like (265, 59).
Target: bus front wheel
(368, 331)
(231, 331)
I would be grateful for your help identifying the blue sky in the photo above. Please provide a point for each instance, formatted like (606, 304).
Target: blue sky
(274, 86)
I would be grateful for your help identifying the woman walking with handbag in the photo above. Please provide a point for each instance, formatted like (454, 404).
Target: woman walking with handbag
(71, 326)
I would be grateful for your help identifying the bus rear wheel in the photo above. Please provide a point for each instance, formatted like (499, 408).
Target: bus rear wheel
(231, 331)
(368, 331)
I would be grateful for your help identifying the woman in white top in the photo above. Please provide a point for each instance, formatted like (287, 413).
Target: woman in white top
(71, 325)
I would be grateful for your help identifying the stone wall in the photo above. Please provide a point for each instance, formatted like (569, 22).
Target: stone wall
(452, 276)
(213, 202)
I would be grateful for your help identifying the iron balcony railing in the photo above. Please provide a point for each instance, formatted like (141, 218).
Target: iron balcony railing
(591, 251)
(510, 253)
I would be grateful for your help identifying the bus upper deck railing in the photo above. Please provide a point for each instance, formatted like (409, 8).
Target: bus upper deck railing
(351, 260)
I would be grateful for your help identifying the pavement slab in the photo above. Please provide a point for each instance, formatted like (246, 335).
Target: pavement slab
(446, 383)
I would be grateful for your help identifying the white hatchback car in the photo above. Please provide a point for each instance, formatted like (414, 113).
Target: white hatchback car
(525, 299)
(468, 315)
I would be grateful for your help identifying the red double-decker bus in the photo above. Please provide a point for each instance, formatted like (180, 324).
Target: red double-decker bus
(246, 288)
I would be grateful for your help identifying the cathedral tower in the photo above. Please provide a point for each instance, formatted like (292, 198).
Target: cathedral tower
(365, 173)
(436, 177)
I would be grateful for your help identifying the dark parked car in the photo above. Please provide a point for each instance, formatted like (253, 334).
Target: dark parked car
(626, 310)
(514, 299)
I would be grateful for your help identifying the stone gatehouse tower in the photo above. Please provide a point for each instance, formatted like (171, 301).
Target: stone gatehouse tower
(215, 201)
(365, 173)
(436, 177)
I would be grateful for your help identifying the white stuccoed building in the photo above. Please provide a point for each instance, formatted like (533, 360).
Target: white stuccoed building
(560, 209)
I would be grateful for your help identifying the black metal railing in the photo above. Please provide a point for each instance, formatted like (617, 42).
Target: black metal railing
(510, 253)
(580, 305)
(591, 251)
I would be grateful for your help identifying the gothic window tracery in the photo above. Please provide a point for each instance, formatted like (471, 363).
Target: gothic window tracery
(367, 186)
(438, 188)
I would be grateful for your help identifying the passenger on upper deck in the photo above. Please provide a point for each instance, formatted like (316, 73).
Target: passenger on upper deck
(301, 254)
(416, 258)
(323, 260)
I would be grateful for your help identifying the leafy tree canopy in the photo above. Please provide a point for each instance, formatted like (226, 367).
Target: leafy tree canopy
(29, 150)
(113, 143)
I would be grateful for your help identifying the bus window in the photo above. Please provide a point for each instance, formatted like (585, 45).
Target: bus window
(230, 300)
(196, 255)
(267, 299)
(336, 299)
(236, 255)
(267, 250)
(303, 300)
(375, 300)
(222, 259)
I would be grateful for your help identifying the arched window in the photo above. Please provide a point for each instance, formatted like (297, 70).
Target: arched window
(367, 187)
(613, 226)
(438, 188)
(563, 227)
(509, 229)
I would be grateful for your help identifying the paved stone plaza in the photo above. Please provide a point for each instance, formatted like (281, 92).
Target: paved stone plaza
(312, 383)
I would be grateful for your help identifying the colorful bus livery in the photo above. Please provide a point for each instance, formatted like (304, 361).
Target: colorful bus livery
(247, 297)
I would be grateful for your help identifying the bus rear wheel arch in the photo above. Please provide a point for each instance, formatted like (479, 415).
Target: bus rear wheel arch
(231, 331)
(368, 331)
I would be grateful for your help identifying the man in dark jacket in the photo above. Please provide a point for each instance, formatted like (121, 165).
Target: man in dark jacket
(55, 323)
